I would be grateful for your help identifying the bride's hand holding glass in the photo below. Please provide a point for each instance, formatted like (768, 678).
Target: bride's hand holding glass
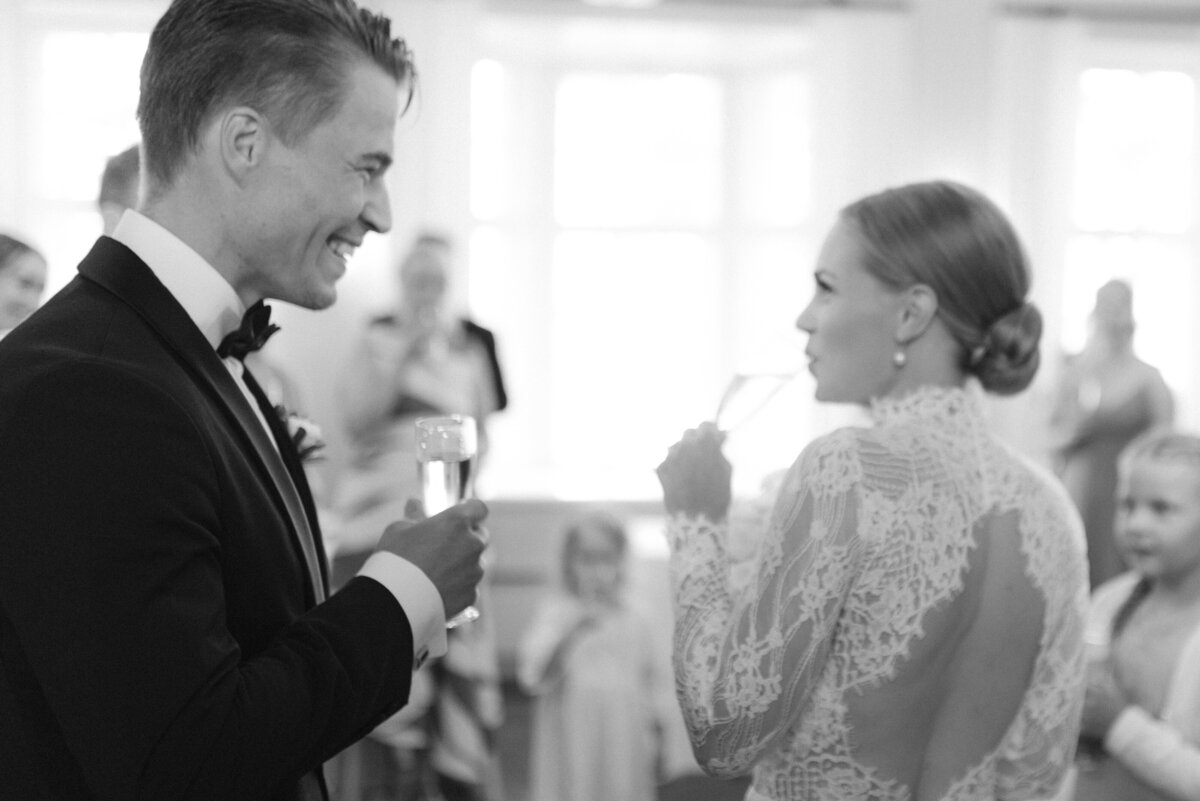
(696, 477)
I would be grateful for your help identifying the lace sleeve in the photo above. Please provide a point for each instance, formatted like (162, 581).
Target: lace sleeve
(746, 665)
(1040, 745)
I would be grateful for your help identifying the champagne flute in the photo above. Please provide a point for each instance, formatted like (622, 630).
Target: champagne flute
(747, 394)
(446, 451)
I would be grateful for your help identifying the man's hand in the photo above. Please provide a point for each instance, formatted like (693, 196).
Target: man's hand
(447, 547)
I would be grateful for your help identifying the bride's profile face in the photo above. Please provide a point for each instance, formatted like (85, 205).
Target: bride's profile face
(851, 323)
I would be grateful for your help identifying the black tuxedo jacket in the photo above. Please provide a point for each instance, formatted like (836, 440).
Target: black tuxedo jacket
(158, 632)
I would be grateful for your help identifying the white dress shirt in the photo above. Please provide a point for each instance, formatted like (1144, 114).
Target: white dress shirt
(212, 304)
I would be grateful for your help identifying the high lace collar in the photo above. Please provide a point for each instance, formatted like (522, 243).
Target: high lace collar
(950, 408)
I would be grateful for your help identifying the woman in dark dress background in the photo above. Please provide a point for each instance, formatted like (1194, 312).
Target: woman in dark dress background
(1106, 397)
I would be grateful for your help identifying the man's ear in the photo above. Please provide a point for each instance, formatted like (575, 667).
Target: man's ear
(243, 136)
(918, 308)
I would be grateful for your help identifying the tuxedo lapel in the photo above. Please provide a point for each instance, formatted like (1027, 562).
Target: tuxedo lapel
(295, 470)
(117, 269)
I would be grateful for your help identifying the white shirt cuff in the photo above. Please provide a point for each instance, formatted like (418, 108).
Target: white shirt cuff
(417, 596)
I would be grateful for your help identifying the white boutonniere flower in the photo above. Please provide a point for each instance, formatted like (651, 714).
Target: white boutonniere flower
(304, 433)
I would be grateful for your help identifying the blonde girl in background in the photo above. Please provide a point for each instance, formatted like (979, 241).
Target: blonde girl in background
(590, 661)
(1141, 722)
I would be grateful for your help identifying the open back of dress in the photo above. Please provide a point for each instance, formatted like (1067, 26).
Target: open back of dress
(914, 628)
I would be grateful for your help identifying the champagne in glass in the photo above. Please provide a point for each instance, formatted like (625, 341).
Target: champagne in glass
(446, 451)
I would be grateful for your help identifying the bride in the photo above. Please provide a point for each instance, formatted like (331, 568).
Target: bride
(914, 629)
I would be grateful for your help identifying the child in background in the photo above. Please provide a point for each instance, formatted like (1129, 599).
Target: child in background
(590, 661)
(22, 281)
(1142, 710)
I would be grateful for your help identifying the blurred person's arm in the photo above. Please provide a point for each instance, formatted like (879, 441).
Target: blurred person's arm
(544, 645)
(1162, 402)
(367, 388)
(1066, 414)
(1156, 752)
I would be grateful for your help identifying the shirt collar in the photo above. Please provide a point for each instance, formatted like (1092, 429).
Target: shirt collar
(205, 295)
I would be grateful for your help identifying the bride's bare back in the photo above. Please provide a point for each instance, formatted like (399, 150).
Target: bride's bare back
(914, 629)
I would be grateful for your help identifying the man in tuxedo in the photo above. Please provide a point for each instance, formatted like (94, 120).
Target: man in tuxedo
(165, 630)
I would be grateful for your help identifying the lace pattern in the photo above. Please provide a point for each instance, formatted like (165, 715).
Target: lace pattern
(873, 530)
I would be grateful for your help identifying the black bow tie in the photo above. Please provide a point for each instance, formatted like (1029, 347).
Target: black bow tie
(252, 334)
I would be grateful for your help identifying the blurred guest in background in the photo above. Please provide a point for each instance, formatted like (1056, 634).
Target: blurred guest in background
(22, 281)
(589, 659)
(421, 360)
(1141, 721)
(1106, 396)
(418, 361)
(914, 623)
(119, 187)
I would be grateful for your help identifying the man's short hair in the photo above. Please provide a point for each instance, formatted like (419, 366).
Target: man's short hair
(287, 59)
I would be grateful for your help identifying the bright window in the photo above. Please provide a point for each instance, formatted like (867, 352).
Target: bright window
(1134, 151)
(1132, 212)
(84, 111)
(632, 332)
(89, 81)
(652, 216)
(634, 150)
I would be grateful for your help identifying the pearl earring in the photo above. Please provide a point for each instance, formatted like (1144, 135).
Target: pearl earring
(899, 359)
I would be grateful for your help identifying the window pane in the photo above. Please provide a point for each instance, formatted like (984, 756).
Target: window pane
(634, 339)
(776, 151)
(637, 150)
(508, 292)
(1134, 151)
(1160, 272)
(87, 107)
(489, 103)
(774, 283)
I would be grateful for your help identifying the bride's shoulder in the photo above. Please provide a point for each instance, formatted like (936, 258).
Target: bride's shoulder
(837, 453)
(862, 442)
(848, 439)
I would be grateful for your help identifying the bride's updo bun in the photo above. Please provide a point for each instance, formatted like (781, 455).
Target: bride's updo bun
(1008, 358)
(957, 242)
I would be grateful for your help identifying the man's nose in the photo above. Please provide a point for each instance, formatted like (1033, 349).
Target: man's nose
(377, 213)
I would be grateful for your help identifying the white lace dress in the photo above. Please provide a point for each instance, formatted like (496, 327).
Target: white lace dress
(914, 625)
